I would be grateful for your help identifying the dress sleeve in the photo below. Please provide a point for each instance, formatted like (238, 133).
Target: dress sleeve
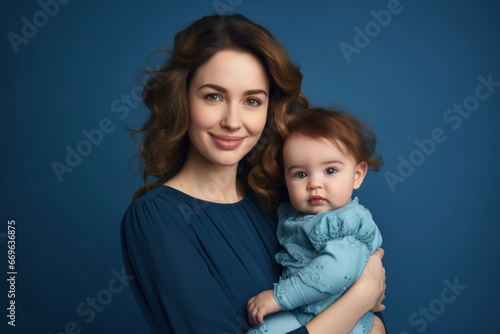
(344, 241)
(172, 283)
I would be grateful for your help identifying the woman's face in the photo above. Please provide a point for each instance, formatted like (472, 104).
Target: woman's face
(228, 100)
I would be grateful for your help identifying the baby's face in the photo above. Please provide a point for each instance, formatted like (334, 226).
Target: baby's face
(318, 175)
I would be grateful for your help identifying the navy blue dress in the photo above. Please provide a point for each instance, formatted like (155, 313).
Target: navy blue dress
(197, 263)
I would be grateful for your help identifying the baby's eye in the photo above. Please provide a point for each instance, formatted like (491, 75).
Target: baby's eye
(300, 175)
(213, 97)
(330, 171)
(254, 102)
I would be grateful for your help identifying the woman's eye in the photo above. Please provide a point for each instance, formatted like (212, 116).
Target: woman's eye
(213, 97)
(300, 175)
(254, 102)
(330, 171)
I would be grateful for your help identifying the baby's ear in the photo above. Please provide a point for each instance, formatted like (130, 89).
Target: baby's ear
(359, 174)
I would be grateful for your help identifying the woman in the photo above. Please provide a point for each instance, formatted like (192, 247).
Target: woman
(197, 239)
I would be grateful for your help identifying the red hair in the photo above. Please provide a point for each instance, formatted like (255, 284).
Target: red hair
(339, 127)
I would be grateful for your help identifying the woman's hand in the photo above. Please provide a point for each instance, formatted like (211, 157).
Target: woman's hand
(372, 280)
(378, 326)
(260, 306)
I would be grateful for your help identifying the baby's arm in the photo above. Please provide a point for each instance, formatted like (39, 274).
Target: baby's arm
(260, 306)
(343, 242)
(336, 267)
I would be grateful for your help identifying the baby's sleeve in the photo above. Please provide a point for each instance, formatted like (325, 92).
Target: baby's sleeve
(344, 240)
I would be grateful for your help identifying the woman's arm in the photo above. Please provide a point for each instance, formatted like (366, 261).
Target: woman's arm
(364, 295)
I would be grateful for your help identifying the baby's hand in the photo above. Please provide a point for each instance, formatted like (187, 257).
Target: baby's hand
(260, 306)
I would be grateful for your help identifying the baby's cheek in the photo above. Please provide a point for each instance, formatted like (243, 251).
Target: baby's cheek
(296, 198)
(346, 194)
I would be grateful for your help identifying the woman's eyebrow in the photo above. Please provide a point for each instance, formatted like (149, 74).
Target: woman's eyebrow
(256, 91)
(218, 88)
(223, 90)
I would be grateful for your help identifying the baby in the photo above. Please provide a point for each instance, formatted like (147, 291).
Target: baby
(327, 236)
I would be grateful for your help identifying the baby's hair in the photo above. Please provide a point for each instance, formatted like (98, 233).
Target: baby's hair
(338, 126)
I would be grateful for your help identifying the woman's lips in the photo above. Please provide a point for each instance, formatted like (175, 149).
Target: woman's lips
(317, 200)
(227, 142)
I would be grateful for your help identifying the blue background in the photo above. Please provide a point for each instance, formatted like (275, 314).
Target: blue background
(440, 224)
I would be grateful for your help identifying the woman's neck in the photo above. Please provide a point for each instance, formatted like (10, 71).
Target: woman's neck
(200, 178)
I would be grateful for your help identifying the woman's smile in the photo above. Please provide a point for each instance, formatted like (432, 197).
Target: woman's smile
(226, 142)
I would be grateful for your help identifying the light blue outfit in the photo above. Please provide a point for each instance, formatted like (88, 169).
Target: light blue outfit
(323, 255)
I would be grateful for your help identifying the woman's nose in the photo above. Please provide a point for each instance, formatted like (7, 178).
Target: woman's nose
(231, 119)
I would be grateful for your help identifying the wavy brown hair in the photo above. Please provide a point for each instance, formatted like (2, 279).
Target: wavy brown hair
(165, 143)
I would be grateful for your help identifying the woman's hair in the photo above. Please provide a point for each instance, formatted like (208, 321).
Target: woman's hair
(339, 127)
(165, 143)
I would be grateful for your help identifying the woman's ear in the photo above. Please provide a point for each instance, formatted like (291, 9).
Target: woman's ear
(359, 174)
